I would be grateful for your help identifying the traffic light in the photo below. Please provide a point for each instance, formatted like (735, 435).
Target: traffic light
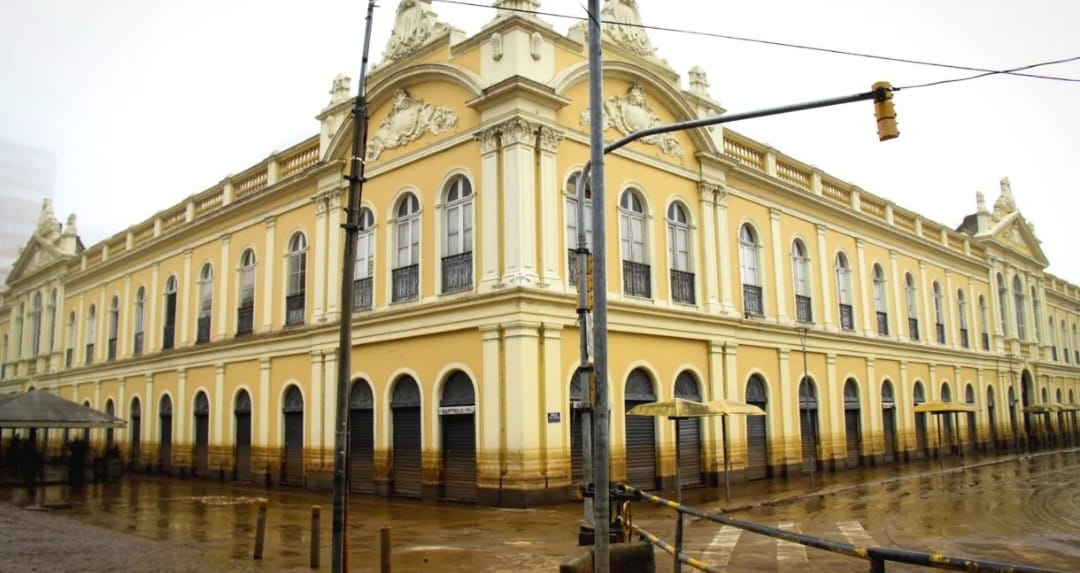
(884, 111)
(588, 281)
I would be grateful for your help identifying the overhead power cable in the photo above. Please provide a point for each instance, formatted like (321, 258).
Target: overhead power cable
(834, 51)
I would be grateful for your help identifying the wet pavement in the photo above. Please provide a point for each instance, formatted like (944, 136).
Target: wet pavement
(1022, 510)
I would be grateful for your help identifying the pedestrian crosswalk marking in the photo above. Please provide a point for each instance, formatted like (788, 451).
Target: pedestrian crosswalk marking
(790, 555)
(718, 552)
(854, 532)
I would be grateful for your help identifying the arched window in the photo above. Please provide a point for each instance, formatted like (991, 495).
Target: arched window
(35, 326)
(800, 271)
(1003, 305)
(114, 325)
(297, 285)
(406, 273)
(939, 313)
(843, 290)
(983, 323)
(206, 303)
(1018, 296)
(571, 193)
(637, 277)
(53, 297)
(750, 271)
(245, 312)
(881, 302)
(679, 254)
(140, 321)
(69, 354)
(168, 335)
(365, 261)
(91, 333)
(961, 308)
(911, 296)
(457, 260)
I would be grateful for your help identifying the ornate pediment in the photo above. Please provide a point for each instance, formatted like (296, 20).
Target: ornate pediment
(1019, 236)
(631, 113)
(33, 257)
(409, 120)
(415, 25)
(622, 26)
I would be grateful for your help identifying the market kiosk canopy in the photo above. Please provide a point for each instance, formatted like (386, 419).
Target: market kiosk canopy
(43, 410)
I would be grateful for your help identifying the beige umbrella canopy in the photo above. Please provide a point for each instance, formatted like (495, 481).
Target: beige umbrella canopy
(939, 407)
(1042, 409)
(733, 408)
(675, 408)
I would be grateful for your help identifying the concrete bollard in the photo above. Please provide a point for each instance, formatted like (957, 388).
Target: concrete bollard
(260, 531)
(316, 512)
(384, 550)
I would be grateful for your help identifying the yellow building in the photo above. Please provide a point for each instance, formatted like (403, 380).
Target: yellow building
(212, 326)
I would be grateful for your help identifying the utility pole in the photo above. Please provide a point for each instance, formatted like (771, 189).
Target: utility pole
(339, 555)
(810, 421)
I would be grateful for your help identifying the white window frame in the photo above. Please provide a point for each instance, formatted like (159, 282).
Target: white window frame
(749, 259)
(407, 219)
(296, 265)
(800, 269)
(458, 228)
(206, 291)
(365, 246)
(881, 302)
(246, 284)
(633, 218)
(679, 239)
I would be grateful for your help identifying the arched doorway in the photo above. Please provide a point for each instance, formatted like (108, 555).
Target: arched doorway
(202, 434)
(888, 420)
(946, 448)
(578, 419)
(991, 419)
(110, 410)
(808, 424)
(921, 443)
(689, 432)
(852, 422)
(405, 405)
(361, 438)
(757, 439)
(135, 425)
(165, 433)
(640, 434)
(457, 414)
(292, 468)
(242, 417)
(973, 430)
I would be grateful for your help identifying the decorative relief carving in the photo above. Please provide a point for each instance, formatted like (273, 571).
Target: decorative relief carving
(409, 120)
(414, 25)
(496, 46)
(712, 192)
(549, 138)
(536, 44)
(489, 140)
(631, 113)
(517, 131)
(623, 26)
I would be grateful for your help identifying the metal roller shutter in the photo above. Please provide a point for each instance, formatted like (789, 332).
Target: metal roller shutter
(459, 457)
(640, 449)
(973, 432)
(851, 430)
(807, 423)
(243, 446)
(136, 439)
(577, 471)
(362, 451)
(406, 469)
(921, 444)
(690, 451)
(166, 441)
(757, 447)
(294, 448)
(888, 419)
(202, 444)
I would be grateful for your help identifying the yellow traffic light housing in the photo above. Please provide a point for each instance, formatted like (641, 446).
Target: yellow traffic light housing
(884, 111)
(588, 281)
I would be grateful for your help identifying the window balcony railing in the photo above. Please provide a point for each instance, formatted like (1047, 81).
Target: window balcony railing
(137, 344)
(1078, 356)
(294, 308)
(847, 317)
(69, 357)
(361, 294)
(168, 337)
(112, 349)
(1053, 353)
(682, 287)
(913, 328)
(882, 323)
(1065, 354)
(245, 319)
(964, 342)
(89, 353)
(804, 308)
(753, 303)
(985, 341)
(637, 279)
(406, 283)
(202, 335)
(457, 272)
(940, 328)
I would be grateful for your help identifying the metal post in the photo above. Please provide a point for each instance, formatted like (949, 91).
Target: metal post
(260, 531)
(601, 501)
(678, 499)
(316, 519)
(812, 422)
(727, 465)
(338, 560)
(384, 550)
(584, 368)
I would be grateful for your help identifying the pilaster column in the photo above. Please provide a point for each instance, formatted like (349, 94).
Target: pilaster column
(101, 332)
(521, 355)
(824, 276)
(861, 276)
(335, 236)
(787, 387)
(547, 237)
(329, 406)
(185, 295)
(734, 389)
(555, 395)
(180, 411)
(723, 250)
(151, 321)
(490, 219)
(834, 410)
(220, 405)
(707, 195)
(222, 306)
(317, 251)
(778, 268)
(269, 256)
(714, 390)
(317, 390)
(995, 300)
(518, 190)
(149, 416)
(951, 334)
(123, 333)
(899, 306)
(491, 450)
(927, 311)
(263, 404)
(872, 404)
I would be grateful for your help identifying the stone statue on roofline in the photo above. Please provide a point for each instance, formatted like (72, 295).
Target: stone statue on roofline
(622, 25)
(414, 25)
(1005, 203)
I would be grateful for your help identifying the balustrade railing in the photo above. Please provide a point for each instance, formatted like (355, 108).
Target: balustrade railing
(940, 328)
(202, 333)
(457, 272)
(882, 323)
(361, 293)
(637, 279)
(913, 328)
(89, 353)
(985, 341)
(111, 349)
(847, 317)
(753, 303)
(245, 319)
(682, 286)
(69, 357)
(964, 342)
(406, 283)
(804, 309)
(137, 344)
(168, 336)
(294, 309)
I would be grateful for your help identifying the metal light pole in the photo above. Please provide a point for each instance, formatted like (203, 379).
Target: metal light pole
(339, 557)
(813, 426)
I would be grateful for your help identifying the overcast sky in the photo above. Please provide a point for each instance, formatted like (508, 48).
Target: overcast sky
(144, 102)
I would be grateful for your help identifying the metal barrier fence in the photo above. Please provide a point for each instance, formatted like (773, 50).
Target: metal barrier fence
(877, 556)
